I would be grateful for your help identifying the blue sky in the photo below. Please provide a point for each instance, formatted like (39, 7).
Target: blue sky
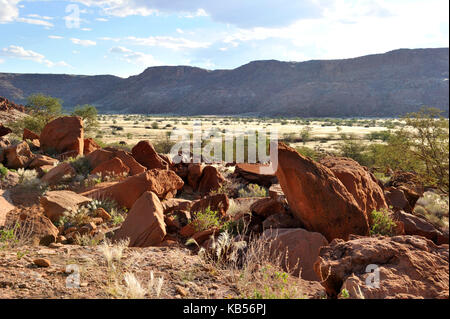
(123, 37)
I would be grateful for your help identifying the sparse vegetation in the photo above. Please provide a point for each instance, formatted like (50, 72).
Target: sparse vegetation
(382, 223)
(253, 190)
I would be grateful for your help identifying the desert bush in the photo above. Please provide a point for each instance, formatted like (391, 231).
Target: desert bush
(89, 115)
(253, 190)
(206, 219)
(81, 165)
(28, 179)
(3, 171)
(309, 152)
(434, 208)
(163, 146)
(382, 223)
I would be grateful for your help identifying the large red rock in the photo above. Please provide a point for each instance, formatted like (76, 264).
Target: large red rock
(42, 160)
(114, 166)
(5, 207)
(98, 157)
(396, 199)
(145, 154)
(144, 225)
(211, 180)
(408, 267)
(409, 183)
(18, 156)
(161, 182)
(251, 172)
(414, 225)
(128, 160)
(218, 203)
(317, 197)
(267, 206)
(298, 249)
(58, 173)
(64, 134)
(29, 135)
(359, 182)
(194, 174)
(4, 130)
(89, 146)
(55, 203)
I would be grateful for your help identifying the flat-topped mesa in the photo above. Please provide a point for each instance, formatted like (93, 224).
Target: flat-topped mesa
(318, 198)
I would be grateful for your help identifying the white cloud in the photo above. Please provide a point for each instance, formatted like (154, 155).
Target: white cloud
(35, 21)
(169, 42)
(9, 10)
(85, 43)
(2, 61)
(37, 16)
(19, 52)
(134, 57)
(56, 37)
(86, 29)
(101, 19)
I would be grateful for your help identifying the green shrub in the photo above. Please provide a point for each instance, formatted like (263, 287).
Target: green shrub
(3, 171)
(382, 223)
(81, 165)
(206, 219)
(253, 190)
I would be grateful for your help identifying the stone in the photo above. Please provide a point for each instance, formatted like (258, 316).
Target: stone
(194, 174)
(62, 135)
(218, 203)
(267, 206)
(396, 199)
(409, 183)
(252, 173)
(144, 153)
(4, 130)
(128, 160)
(17, 156)
(281, 221)
(176, 204)
(89, 146)
(162, 182)
(55, 203)
(318, 198)
(98, 157)
(42, 262)
(362, 184)
(58, 173)
(42, 160)
(114, 166)
(201, 236)
(276, 193)
(29, 135)
(5, 207)
(408, 267)
(103, 214)
(301, 247)
(211, 180)
(144, 225)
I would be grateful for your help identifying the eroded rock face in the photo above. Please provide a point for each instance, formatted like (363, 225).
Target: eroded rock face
(145, 154)
(42, 160)
(194, 174)
(359, 182)
(266, 207)
(128, 160)
(144, 225)
(55, 203)
(397, 200)
(211, 180)
(161, 182)
(409, 267)
(89, 146)
(18, 156)
(29, 135)
(64, 134)
(251, 172)
(301, 246)
(317, 198)
(409, 183)
(98, 157)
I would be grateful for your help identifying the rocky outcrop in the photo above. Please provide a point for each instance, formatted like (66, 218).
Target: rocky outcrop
(144, 225)
(218, 203)
(409, 183)
(408, 267)
(4, 130)
(42, 160)
(58, 173)
(161, 182)
(266, 207)
(296, 248)
(5, 207)
(359, 182)
(114, 166)
(29, 135)
(317, 198)
(194, 174)
(62, 135)
(144, 153)
(89, 146)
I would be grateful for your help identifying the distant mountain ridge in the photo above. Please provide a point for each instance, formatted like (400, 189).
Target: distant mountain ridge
(378, 85)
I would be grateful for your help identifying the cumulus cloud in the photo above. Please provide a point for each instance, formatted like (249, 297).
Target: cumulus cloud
(36, 22)
(174, 43)
(9, 10)
(134, 57)
(85, 43)
(18, 52)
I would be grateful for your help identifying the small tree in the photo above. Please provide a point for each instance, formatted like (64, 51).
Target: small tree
(89, 115)
(305, 134)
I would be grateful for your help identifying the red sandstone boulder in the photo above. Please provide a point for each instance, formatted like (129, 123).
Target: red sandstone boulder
(176, 204)
(408, 267)
(64, 134)
(396, 199)
(409, 183)
(98, 157)
(29, 135)
(4, 130)
(194, 174)
(55, 203)
(161, 182)
(58, 173)
(218, 203)
(17, 156)
(251, 172)
(5, 207)
(89, 146)
(144, 225)
(145, 154)
(298, 249)
(359, 182)
(114, 166)
(42, 160)
(267, 206)
(211, 180)
(317, 198)
(128, 160)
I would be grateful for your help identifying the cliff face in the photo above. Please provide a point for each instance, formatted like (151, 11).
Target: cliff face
(387, 84)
